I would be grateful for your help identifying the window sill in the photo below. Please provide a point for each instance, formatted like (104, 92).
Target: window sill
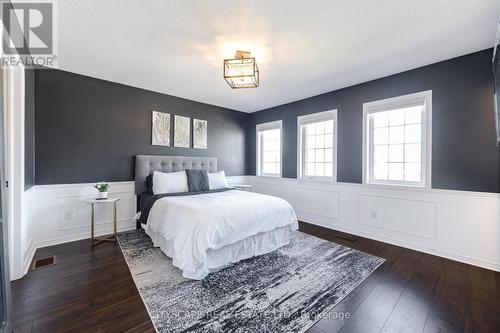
(391, 186)
(270, 176)
(317, 180)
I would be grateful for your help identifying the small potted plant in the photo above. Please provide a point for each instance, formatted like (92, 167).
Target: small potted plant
(102, 187)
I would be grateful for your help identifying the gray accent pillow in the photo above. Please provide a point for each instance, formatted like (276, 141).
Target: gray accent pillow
(197, 180)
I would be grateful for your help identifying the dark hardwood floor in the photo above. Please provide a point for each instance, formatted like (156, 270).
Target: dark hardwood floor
(91, 290)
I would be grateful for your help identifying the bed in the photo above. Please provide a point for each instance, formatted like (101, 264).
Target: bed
(206, 231)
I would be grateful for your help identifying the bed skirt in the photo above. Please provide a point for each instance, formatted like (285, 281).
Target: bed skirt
(216, 259)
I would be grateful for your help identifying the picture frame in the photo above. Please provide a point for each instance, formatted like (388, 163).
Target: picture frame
(182, 131)
(160, 128)
(200, 133)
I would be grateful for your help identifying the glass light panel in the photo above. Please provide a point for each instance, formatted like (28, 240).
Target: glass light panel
(320, 155)
(318, 145)
(320, 127)
(328, 140)
(396, 153)
(328, 169)
(396, 134)
(311, 142)
(311, 129)
(413, 172)
(320, 141)
(413, 133)
(309, 169)
(396, 146)
(396, 171)
(381, 136)
(310, 155)
(381, 153)
(413, 115)
(268, 168)
(329, 126)
(329, 155)
(270, 148)
(380, 119)
(319, 169)
(396, 118)
(412, 152)
(380, 171)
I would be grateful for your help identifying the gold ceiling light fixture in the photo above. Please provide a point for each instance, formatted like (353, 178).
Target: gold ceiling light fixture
(241, 71)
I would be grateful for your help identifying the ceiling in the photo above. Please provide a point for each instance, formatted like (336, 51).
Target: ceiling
(303, 48)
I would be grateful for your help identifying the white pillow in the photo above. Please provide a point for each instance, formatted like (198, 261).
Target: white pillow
(172, 182)
(217, 180)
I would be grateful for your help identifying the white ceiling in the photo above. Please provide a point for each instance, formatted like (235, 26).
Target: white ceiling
(303, 47)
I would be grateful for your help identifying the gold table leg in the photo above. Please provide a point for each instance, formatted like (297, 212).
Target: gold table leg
(108, 238)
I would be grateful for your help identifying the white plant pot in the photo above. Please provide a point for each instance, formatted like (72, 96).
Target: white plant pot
(103, 195)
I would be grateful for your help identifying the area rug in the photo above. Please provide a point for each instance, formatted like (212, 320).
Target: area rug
(287, 290)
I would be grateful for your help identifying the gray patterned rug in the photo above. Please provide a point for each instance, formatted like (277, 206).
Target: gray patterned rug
(284, 291)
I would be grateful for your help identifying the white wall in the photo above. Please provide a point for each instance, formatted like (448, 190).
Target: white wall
(459, 225)
(19, 203)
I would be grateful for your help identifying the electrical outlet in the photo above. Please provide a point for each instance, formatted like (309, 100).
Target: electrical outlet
(374, 214)
(68, 214)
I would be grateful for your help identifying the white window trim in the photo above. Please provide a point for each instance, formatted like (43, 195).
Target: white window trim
(400, 102)
(263, 127)
(311, 118)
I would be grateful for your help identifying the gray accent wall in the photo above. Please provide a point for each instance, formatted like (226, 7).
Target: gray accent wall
(29, 128)
(464, 154)
(88, 130)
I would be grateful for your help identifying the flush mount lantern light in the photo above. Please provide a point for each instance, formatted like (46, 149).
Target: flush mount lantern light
(242, 71)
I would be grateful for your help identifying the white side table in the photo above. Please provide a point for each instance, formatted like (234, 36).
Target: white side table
(243, 187)
(108, 238)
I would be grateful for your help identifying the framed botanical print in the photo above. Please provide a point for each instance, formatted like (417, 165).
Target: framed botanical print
(160, 131)
(182, 131)
(200, 134)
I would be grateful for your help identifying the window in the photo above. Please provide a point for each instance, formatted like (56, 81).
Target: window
(317, 145)
(397, 140)
(269, 149)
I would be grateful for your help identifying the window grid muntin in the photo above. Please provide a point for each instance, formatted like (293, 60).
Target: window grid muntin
(263, 128)
(371, 146)
(276, 151)
(329, 165)
(309, 147)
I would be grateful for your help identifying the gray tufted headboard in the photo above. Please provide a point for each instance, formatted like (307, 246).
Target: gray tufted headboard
(146, 164)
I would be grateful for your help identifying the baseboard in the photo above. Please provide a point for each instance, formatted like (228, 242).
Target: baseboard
(129, 225)
(409, 245)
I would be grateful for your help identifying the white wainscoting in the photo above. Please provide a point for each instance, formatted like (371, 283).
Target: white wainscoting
(28, 229)
(62, 214)
(463, 226)
(58, 214)
(459, 225)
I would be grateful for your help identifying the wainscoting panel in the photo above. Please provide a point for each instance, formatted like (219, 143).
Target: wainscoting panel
(415, 217)
(75, 212)
(270, 188)
(318, 202)
(63, 215)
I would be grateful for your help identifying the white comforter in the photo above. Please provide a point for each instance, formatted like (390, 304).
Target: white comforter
(193, 224)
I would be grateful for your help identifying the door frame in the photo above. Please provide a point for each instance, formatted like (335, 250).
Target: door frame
(4, 214)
